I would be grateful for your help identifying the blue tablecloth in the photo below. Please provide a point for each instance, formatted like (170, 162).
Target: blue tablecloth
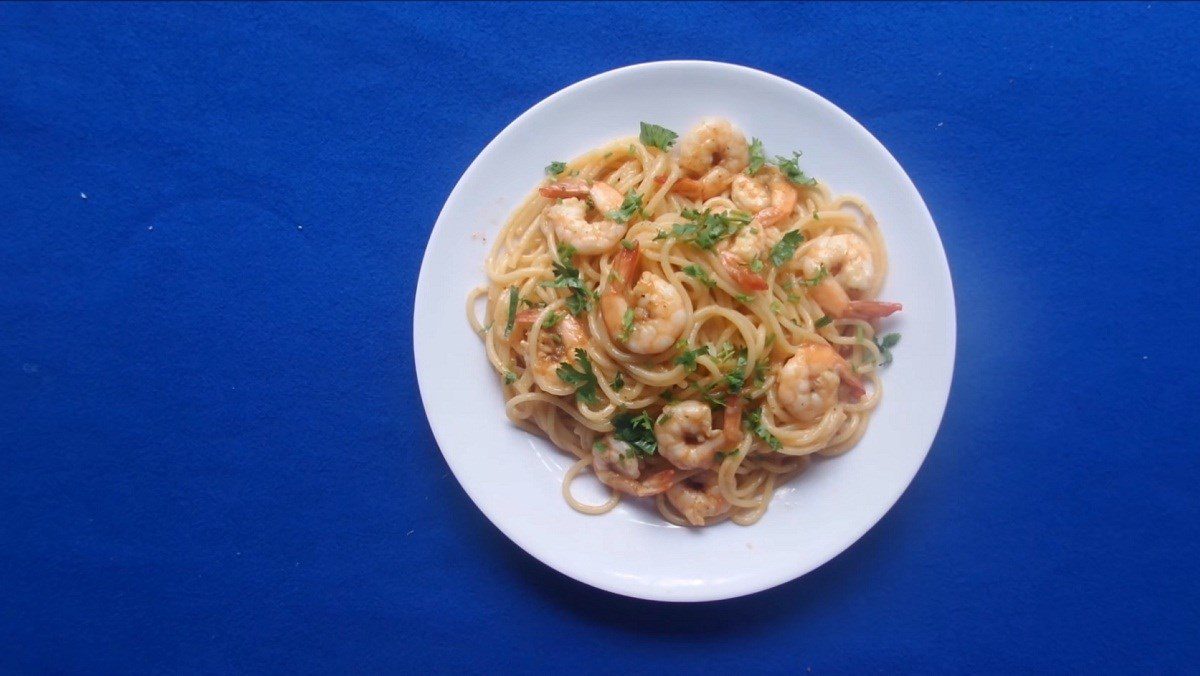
(212, 452)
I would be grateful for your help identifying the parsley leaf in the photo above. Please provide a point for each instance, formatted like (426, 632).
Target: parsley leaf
(885, 345)
(509, 377)
(627, 324)
(760, 430)
(659, 137)
(757, 159)
(551, 319)
(637, 431)
(744, 298)
(756, 265)
(556, 168)
(687, 358)
(618, 382)
(736, 379)
(705, 229)
(791, 169)
(629, 208)
(700, 274)
(583, 378)
(821, 275)
(513, 298)
(823, 322)
(566, 276)
(785, 248)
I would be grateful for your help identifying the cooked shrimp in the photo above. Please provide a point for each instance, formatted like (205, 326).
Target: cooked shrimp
(713, 143)
(808, 382)
(783, 202)
(569, 217)
(698, 498)
(750, 194)
(647, 317)
(847, 260)
(617, 466)
(686, 436)
(558, 345)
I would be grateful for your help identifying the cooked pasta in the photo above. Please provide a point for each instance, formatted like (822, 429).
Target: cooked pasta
(688, 318)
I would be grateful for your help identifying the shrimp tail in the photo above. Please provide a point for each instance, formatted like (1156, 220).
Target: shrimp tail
(571, 187)
(624, 266)
(851, 380)
(741, 274)
(689, 188)
(871, 309)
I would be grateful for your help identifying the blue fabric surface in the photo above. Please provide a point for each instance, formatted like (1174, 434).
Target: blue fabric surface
(212, 452)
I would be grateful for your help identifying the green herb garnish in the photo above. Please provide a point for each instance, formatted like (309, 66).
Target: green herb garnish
(705, 229)
(637, 431)
(760, 430)
(700, 274)
(687, 358)
(551, 319)
(618, 383)
(823, 322)
(736, 379)
(509, 377)
(757, 159)
(885, 346)
(556, 168)
(627, 324)
(785, 248)
(659, 137)
(821, 275)
(582, 379)
(630, 207)
(566, 276)
(756, 265)
(791, 169)
(513, 299)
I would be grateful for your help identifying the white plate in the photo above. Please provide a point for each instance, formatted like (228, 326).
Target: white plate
(515, 477)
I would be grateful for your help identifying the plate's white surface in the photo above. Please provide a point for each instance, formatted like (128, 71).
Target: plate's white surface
(515, 478)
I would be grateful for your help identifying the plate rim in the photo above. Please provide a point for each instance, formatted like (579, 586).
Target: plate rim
(767, 581)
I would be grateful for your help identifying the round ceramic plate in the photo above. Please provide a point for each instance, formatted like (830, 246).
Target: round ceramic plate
(515, 478)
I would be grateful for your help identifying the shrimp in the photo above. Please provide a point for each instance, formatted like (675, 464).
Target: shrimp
(563, 339)
(569, 217)
(808, 382)
(698, 498)
(774, 203)
(647, 317)
(846, 258)
(618, 467)
(713, 143)
(686, 436)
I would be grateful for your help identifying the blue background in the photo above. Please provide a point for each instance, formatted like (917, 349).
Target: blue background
(213, 452)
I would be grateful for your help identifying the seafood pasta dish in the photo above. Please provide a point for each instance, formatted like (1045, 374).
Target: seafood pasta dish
(691, 318)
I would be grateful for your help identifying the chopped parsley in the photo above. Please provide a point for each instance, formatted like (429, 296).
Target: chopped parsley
(551, 319)
(637, 431)
(757, 159)
(627, 324)
(556, 168)
(629, 208)
(687, 358)
(760, 430)
(785, 248)
(628, 244)
(582, 379)
(821, 275)
(776, 307)
(513, 298)
(885, 346)
(705, 229)
(700, 274)
(756, 265)
(659, 137)
(791, 169)
(744, 298)
(509, 377)
(736, 379)
(823, 322)
(618, 383)
(566, 276)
